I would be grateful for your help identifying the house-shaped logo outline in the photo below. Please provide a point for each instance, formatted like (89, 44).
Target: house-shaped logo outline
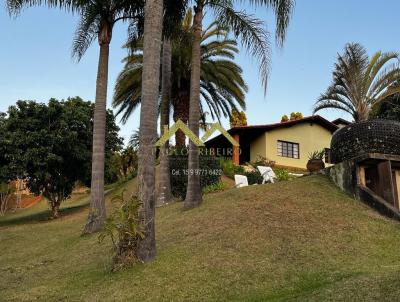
(217, 127)
(179, 125)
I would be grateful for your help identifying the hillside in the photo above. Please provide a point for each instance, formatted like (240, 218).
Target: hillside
(302, 240)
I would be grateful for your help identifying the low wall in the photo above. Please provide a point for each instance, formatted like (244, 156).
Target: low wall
(344, 176)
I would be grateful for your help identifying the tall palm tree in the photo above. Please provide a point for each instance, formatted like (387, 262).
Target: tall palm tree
(148, 125)
(97, 19)
(222, 86)
(164, 190)
(360, 83)
(253, 37)
(153, 28)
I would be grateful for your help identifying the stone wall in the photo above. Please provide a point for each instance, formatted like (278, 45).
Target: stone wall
(344, 176)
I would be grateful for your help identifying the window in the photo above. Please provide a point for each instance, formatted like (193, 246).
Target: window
(288, 149)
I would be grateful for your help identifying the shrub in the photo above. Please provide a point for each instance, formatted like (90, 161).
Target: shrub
(124, 229)
(316, 155)
(282, 174)
(210, 172)
(220, 186)
(253, 177)
(238, 170)
(230, 169)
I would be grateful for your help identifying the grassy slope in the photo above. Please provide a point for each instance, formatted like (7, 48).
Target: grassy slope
(292, 241)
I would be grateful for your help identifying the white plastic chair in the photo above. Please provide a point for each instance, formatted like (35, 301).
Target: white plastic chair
(241, 181)
(267, 173)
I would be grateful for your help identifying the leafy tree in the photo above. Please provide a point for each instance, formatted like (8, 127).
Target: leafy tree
(4, 167)
(238, 118)
(294, 116)
(252, 36)
(51, 149)
(284, 119)
(113, 168)
(113, 142)
(129, 161)
(361, 83)
(5, 175)
(49, 146)
(121, 165)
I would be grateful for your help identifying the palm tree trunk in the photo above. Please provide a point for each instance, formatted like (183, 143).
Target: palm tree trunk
(148, 125)
(164, 190)
(97, 212)
(193, 194)
(181, 112)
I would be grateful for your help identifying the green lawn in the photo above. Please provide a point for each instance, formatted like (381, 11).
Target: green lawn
(301, 240)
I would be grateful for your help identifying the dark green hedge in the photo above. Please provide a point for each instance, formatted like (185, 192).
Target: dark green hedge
(210, 171)
(253, 177)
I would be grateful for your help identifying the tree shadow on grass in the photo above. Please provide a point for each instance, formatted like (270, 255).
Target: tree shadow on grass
(41, 216)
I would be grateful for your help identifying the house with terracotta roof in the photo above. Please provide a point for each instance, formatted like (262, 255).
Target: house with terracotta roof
(287, 143)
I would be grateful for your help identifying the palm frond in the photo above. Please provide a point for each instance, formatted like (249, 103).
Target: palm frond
(283, 10)
(360, 83)
(222, 86)
(14, 7)
(86, 32)
(253, 37)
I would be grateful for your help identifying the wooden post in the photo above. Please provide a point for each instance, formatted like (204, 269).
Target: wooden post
(236, 151)
(386, 182)
(361, 176)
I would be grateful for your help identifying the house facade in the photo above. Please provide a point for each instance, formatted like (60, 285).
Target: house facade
(288, 143)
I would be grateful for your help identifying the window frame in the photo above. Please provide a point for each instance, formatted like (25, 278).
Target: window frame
(290, 150)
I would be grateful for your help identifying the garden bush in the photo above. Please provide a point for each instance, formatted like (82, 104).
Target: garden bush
(220, 186)
(282, 174)
(230, 169)
(124, 229)
(210, 172)
(253, 177)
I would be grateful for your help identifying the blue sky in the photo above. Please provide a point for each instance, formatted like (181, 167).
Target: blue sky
(35, 61)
